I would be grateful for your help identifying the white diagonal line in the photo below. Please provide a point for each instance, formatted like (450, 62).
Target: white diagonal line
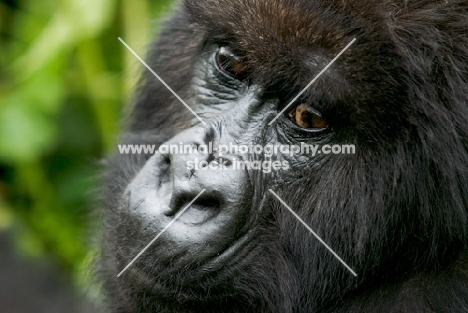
(312, 82)
(160, 233)
(162, 81)
(313, 233)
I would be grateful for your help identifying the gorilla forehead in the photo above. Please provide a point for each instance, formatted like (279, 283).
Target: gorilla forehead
(277, 20)
(270, 28)
(275, 33)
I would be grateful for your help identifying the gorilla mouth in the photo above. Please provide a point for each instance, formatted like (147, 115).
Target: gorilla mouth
(201, 211)
(207, 203)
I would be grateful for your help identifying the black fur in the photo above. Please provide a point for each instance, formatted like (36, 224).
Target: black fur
(397, 211)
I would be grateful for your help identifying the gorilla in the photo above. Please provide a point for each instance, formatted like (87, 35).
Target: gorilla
(382, 229)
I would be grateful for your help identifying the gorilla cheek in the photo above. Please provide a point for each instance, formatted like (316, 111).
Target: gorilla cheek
(165, 186)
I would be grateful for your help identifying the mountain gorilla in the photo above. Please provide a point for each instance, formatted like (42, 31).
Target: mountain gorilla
(395, 211)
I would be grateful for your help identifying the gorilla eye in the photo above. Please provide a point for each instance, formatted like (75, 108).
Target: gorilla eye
(305, 116)
(230, 63)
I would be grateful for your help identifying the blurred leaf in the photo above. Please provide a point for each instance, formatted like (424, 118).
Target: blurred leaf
(6, 217)
(27, 126)
(72, 22)
(24, 134)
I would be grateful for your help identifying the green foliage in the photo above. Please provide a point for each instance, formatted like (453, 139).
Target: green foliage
(63, 83)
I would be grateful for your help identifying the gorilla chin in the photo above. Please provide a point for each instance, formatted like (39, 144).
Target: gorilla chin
(205, 239)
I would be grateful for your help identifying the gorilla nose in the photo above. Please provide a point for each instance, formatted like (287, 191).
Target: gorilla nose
(195, 169)
(171, 180)
(222, 183)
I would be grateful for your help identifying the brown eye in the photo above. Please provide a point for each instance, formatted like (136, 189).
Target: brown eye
(231, 63)
(306, 117)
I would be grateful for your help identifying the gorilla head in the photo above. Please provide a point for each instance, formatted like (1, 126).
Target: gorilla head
(394, 210)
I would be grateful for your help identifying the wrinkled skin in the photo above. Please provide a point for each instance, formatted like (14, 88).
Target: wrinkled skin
(395, 211)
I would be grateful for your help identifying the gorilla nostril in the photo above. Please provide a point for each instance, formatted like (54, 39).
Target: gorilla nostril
(167, 159)
(168, 212)
(224, 161)
(219, 162)
(228, 162)
(211, 158)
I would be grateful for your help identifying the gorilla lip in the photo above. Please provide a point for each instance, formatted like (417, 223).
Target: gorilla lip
(227, 255)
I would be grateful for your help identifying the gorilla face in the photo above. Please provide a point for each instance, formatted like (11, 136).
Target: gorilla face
(395, 210)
